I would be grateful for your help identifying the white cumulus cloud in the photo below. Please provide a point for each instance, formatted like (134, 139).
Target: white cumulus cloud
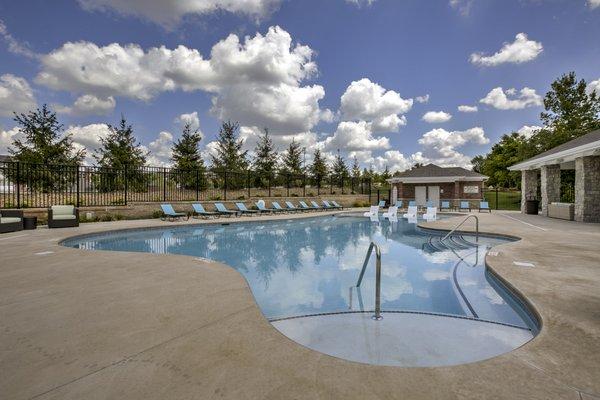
(440, 146)
(87, 138)
(189, 118)
(89, 104)
(169, 13)
(467, 109)
(15, 95)
(594, 3)
(351, 135)
(160, 150)
(594, 86)
(7, 138)
(528, 130)
(422, 99)
(436, 117)
(509, 99)
(520, 51)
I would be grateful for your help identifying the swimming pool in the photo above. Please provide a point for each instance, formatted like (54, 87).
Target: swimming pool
(303, 273)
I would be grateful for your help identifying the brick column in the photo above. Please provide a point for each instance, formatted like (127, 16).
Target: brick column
(456, 194)
(550, 177)
(587, 189)
(529, 185)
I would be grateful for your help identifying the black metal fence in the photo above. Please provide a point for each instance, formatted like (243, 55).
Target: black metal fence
(503, 199)
(25, 185)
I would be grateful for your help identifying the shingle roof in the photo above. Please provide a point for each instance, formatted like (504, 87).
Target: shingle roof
(432, 170)
(580, 141)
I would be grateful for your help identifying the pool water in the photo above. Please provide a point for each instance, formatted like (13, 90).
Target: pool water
(310, 266)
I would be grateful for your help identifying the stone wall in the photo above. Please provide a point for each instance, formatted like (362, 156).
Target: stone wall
(587, 189)
(550, 180)
(529, 185)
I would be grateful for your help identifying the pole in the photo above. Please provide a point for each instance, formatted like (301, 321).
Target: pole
(18, 185)
(77, 177)
(248, 182)
(377, 316)
(197, 184)
(496, 198)
(225, 185)
(164, 184)
(126, 178)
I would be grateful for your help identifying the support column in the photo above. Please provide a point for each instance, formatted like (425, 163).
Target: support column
(529, 185)
(456, 194)
(587, 189)
(550, 177)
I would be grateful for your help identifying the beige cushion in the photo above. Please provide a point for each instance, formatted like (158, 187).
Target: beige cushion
(63, 210)
(9, 220)
(62, 217)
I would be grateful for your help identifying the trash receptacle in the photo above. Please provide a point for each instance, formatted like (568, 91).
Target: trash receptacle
(532, 206)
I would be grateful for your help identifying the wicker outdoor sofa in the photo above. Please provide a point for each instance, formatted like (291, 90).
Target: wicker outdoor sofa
(11, 220)
(63, 216)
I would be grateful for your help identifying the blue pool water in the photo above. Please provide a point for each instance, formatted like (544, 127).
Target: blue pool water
(309, 266)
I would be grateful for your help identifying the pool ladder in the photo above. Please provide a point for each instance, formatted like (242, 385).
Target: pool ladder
(460, 224)
(377, 316)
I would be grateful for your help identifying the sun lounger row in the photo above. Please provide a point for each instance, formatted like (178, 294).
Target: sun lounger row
(198, 210)
(444, 205)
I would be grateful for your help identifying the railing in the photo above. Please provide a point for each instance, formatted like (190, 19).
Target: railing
(460, 224)
(377, 316)
(25, 185)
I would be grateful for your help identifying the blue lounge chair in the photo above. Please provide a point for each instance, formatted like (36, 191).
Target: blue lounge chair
(316, 205)
(244, 210)
(199, 211)
(169, 213)
(430, 204)
(381, 203)
(445, 206)
(305, 206)
(464, 205)
(291, 207)
(277, 207)
(221, 209)
(484, 205)
(329, 206)
(337, 205)
(261, 207)
(412, 203)
(399, 204)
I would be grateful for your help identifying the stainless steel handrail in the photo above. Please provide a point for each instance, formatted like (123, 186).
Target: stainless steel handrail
(460, 224)
(377, 315)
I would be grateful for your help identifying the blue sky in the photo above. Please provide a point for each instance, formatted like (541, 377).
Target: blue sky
(333, 74)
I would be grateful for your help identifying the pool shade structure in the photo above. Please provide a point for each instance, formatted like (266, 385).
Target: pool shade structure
(430, 184)
(543, 171)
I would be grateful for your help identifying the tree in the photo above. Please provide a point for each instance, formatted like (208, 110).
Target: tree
(503, 154)
(355, 169)
(292, 160)
(230, 156)
(44, 143)
(339, 166)
(318, 169)
(120, 149)
(266, 157)
(121, 159)
(187, 160)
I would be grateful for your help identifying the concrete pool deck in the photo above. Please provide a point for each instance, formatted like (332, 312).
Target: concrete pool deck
(101, 325)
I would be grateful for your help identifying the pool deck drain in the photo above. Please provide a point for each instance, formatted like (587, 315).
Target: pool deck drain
(103, 325)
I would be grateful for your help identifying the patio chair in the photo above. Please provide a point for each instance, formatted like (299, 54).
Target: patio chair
(199, 211)
(411, 213)
(465, 205)
(431, 214)
(168, 213)
(63, 216)
(245, 211)
(262, 208)
(316, 205)
(445, 206)
(292, 207)
(221, 209)
(11, 221)
(329, 206)
(399, 204)
(381, 204)
(485, 206)
(306, 206)
(278, 207)
(412, 203)
(373, 212)
(392, 213)
(337, 205)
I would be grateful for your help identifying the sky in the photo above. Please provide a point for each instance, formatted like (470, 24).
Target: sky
(389, 82)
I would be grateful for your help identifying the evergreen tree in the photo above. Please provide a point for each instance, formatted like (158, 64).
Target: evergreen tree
(385, 175)
(355, 169)
(187, 160)
(339, 167)
(292, 160)
(318, 169)
(44, 141)
(119, 149)
(230, 156)
(266, 157)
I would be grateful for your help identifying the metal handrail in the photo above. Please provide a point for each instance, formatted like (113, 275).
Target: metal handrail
(460, 224)
(377, 316)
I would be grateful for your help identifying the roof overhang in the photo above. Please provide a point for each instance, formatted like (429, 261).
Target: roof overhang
(437, 179)
(562, 157)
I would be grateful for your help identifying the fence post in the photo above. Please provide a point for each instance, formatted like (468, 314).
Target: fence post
(287, 184)
(342, 183)
(319, 185)
(197, 184)
(126, 179)
(377, 196)
(164, 184)
(496, 198)
(303, 185)
(77, 177)
(248, 182)
(225, 185)
(269, 181)
(18, 184)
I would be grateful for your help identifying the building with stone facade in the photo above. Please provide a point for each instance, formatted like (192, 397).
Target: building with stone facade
(431, 183)
(543, 172)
